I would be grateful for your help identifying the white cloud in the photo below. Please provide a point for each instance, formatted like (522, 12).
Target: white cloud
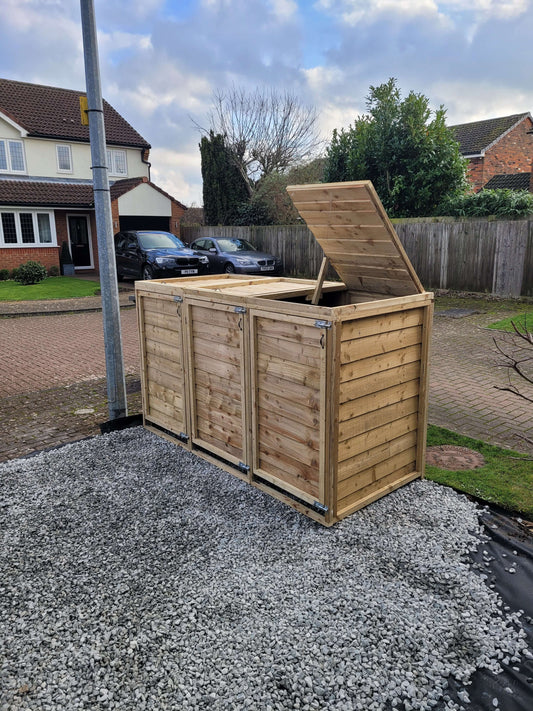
(175, 172)
(474, 101)
(284, 9)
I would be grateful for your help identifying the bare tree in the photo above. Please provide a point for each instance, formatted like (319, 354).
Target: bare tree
(516, 350)
(266, 131)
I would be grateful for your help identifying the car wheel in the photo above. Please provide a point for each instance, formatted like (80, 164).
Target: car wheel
(229, 268)
(147, 273)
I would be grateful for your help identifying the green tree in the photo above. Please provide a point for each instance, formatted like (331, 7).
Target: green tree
(224, 188)
(412, 159)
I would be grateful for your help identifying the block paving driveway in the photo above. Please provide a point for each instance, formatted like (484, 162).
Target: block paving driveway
(52, 382)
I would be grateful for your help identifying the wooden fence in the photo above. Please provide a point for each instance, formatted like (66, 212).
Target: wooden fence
(493, 256)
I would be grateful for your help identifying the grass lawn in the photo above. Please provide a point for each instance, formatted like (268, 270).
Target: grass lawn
(506, 479)
(523, 320)
(484, 303)
(61, 287)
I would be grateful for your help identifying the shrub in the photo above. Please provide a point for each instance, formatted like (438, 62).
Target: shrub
(30, 273)
(4, 274)
(14, 273)
(498, 203)
(53, 271)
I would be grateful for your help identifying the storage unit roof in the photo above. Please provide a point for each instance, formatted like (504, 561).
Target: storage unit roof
(351, 225)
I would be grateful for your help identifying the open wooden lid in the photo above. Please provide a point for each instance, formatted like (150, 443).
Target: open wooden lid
(352, 227)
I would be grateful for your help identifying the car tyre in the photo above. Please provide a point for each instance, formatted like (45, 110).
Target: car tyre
(229, 268)
(147, 273)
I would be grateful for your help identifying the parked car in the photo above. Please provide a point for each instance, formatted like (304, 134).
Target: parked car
(151, 254)
(234, 255)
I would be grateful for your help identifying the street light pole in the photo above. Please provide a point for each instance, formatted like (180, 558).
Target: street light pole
(116, 383)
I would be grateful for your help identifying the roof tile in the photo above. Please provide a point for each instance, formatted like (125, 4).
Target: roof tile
(474, 137)
(51, 112)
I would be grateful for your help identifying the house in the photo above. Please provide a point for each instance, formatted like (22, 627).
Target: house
(497, 150)
(46, 192)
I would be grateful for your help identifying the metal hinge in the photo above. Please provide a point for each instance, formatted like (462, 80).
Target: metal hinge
(240, 309)
(179, 299)
(183, 437)
(320, 508)
(244, 468)
(323, 324)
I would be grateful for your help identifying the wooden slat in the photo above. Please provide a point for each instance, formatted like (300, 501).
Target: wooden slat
(217, 367)
(216, 401)
(340, 217)
(223, 435)
(163, 335)
(291, 352)
(371, 420)
(226, 422)
(222, 446)
(326, 205)
(161, 350)
(376, 363)
(166, 395)
(295, 477)
(369, 458)
(383, 486)
(356, 190)
(169, 423)
(284, 444)
(170, 367)
(379, 381)
(361, 443)
(159, 305)
(281, 405)
(216, 334)
(288, 428)
(221, 385)
(214, 316)
(170, 323)
(171, 380)
(372, 325)
(379, 400)
(228, 354)
(375, 473)
(294, 332)
(381, 343)
(293, 372)
(302, 396)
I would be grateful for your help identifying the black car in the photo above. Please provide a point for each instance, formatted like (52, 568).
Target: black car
(231, 254)
(151, 254)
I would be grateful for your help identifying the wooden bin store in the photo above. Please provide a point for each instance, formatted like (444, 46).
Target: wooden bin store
(315, 392)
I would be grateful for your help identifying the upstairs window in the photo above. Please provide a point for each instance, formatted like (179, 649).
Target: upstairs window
(116, 162)
(64, 159)
(12, 156)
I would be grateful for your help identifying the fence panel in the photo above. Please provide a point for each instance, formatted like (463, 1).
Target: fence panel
(480, 255)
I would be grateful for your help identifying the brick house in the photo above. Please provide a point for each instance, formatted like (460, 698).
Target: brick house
(46, 192)
(497, 151)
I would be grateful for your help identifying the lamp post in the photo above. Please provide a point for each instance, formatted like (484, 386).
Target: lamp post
(116, 383)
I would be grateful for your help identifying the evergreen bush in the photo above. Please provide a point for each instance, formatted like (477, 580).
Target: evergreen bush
(4, 274)
(30, 273)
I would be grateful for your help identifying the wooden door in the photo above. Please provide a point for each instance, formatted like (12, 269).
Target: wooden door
(162, 356)
(217, 378)
(289, 403)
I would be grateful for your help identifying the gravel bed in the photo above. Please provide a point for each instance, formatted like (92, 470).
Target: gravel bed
(134, 575)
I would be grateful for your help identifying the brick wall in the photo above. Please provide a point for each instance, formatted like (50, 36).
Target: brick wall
(13, 257)
(175, 218)
(511, 154)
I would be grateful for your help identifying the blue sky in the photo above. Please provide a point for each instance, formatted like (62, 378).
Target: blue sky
(161, 60)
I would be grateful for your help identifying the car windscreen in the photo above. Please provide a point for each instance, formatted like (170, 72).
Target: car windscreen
(235, 245)
(159, 240)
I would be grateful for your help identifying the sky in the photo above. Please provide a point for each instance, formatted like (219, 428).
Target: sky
(162, 60)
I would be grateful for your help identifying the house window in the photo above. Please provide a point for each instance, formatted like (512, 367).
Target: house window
(12, 156)
(64, 159)
(116, 162)
(18, 228)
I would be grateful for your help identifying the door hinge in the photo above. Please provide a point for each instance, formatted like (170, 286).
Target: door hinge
(320, 508)
(183, 437)
(323, 324)
(179, 299)
(240, 309)
(244, 468)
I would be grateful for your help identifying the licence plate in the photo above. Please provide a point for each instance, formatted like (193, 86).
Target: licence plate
(267, 269)
(189, 271)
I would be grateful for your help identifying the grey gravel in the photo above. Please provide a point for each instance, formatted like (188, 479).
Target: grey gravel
(134, 575)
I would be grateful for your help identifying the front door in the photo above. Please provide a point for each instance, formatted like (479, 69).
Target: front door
(80, 241)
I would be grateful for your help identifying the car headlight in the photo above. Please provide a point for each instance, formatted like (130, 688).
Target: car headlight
(244, 261)
(165, 261)
(204, 260)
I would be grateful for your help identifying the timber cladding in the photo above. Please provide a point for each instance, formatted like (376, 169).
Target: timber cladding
(314, 392)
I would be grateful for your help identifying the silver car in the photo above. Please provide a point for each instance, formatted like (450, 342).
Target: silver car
(235, 255)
